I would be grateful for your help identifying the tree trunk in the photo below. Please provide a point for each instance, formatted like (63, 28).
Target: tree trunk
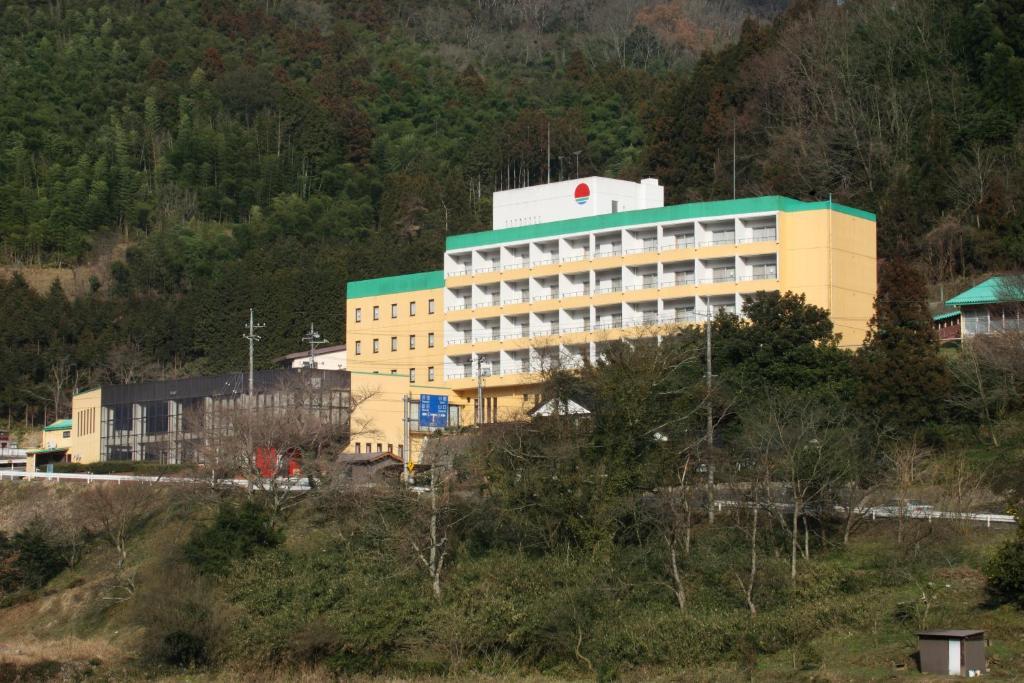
(677, 579)
(794, 535)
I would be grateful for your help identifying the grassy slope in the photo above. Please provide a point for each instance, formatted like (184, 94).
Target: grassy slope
(70, 620)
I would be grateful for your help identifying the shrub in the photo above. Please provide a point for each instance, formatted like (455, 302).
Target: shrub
(29, 559)
(185, 627)
(149, 469)
(234, 533)
(1005, 573)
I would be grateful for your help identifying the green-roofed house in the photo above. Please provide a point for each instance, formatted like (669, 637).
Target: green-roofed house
(55, 446)
(991, 306)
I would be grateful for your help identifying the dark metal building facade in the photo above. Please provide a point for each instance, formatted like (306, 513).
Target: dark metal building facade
(167, 421)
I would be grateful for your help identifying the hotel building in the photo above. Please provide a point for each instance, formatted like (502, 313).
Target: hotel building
(570, 266)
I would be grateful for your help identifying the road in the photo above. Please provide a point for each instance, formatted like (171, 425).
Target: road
(302, 484)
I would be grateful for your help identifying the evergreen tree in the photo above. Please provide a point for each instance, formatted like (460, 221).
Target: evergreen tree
(902, 379)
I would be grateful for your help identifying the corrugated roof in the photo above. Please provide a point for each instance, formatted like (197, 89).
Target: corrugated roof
(58, 426)
(946, 316)
(992, 291)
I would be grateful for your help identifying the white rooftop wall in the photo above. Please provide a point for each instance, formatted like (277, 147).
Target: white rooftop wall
(558, 201)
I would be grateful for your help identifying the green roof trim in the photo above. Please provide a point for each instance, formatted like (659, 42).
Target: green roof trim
(396, 284)
(46, 451)
(58, 426)
(663, 214)
(994, 290)
(945, 316)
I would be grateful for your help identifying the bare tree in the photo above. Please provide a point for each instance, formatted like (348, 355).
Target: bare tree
(127, 363)
(263, 438)
(676, 515)
(116, 512)
(798, 434)
(979, 387)
(433, 551)
(962, 487)
(905, 463)
(862, 475)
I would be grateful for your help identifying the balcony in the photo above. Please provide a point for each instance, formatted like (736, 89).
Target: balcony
(459, 306)
(718, 240)
(609, 287)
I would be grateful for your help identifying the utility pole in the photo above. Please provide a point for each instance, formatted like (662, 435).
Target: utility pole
(711, 420)
(577, 153)
(313, 339)
(479, 390)
(406, 439)
(734, 155)
(253, 338)
(549, 151)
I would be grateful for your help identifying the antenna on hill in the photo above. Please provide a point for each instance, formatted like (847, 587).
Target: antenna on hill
(734, 155)
(549, 151)
(252, 337)
(314, 340)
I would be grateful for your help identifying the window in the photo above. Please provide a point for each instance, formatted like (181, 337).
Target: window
(394, 310)
(66, 435)
(412, 341)
(119, 453)
(394, 343)
(359, 347)
(359, 315)
(430, 340)
(376, 345)
(391, 448)
(412, 375)
(380, 448)
(123, 417)
(412, 308)
(764, 233)
(765, 271)
(430, 374)
(156, 417)
(359, 447)
(430, 306)
(376, 312)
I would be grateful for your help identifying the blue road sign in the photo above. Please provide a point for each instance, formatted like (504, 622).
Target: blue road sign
(433, 411)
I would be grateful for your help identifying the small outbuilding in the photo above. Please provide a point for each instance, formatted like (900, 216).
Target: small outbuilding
(952, 652)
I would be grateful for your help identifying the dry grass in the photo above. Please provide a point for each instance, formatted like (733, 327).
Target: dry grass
(30, 650)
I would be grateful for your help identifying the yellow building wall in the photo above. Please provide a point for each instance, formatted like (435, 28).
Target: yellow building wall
(359, 336)
(381, 379)
(86, 426)
(829, 256)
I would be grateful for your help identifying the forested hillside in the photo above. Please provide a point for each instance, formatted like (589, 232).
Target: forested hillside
(264, 153)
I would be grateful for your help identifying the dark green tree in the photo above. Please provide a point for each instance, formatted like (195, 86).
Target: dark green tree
(901, 378)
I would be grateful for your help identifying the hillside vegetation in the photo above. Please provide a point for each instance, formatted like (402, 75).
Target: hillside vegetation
(262, 154)
(628, 544)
